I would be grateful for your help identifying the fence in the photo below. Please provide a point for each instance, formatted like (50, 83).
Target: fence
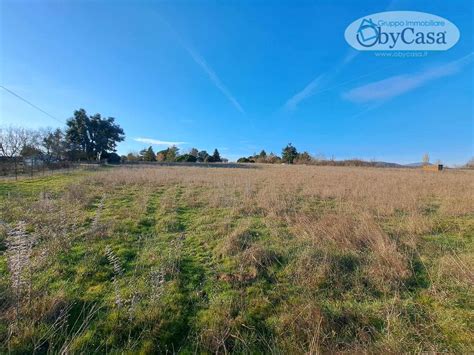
(31, 167)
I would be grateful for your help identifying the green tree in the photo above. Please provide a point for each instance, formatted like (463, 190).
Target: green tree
(203, 156)
(112, 158)
(93, 135)
(194, 152)
(216, 157)
(186, 158)
(77, 132)
(289, 154)
(55, 144)
(169, 154)
(172, 153)
(303, 158)
(148, 154)
(132, 157)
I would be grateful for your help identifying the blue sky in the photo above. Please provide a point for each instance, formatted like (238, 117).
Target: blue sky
(240, 76)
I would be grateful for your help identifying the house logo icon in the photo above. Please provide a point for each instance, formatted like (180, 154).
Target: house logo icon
(368, 33)
(401, 31)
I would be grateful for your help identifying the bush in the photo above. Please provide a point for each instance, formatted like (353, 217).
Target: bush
(245, 160)
(186, 158)
(112, 158)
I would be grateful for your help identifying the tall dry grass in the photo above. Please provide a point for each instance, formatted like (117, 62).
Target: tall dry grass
(342, 208)
(347, 230)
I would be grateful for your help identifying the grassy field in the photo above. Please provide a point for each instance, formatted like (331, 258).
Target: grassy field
(280, 259)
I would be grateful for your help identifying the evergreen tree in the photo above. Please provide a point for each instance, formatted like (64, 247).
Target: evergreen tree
(216, 157)
(149, 154)
(172, 153)
(303, 158)
(55, 145)
(289, 154)
(186, 158)
(203, 156)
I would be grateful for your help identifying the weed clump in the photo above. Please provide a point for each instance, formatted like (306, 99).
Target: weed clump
(240, 239)
(19, 249)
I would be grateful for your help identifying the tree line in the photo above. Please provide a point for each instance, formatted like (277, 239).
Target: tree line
(171, 154)
(95, 138)
(289, 155)
(86, 137)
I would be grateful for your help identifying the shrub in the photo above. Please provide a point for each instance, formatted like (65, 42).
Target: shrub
(186, 158)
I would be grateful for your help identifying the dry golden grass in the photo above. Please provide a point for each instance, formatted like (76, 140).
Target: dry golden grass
(278, 188)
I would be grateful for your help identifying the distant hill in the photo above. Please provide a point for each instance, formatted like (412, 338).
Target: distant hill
(415, 165)
(387, 164)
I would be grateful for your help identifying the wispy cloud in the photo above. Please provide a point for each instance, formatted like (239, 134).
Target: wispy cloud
(157, 142)
(319, 83)
(397, 85)
(369, 108)
(308, 91)
(213, 77)
(199, 60)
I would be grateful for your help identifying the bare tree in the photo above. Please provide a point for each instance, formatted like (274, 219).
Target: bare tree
(426, 159)
(13, 140)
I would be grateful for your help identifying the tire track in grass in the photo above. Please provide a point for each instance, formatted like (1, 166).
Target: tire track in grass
(147, 224)
(170, 230)
(195, 264)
